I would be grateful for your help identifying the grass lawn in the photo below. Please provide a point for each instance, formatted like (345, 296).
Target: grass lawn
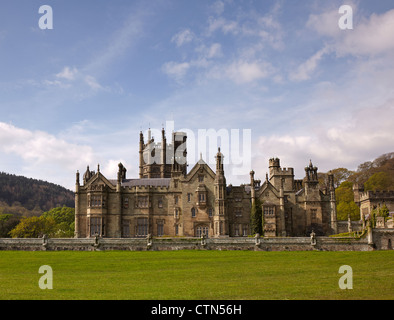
(196, 275)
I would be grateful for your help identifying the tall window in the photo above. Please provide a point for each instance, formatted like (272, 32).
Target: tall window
(142, 227)
(193, 212)
(245, 230)
(95, 227)
(238, 212)
(126, 228)
(313, 215)
(160, 228)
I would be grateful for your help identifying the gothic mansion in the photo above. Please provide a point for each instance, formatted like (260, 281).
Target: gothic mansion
(166, 200)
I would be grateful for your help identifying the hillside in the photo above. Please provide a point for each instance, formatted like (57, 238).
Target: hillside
(377, 174)
(26, 196)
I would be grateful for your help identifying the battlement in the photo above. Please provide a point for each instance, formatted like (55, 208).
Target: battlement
(377, 195)
(274, 162)
(287, 171)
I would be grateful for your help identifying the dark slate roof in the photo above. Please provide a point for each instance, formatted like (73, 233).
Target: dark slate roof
(153, 182)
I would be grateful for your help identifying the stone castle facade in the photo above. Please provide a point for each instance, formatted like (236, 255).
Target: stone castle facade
(166, 200)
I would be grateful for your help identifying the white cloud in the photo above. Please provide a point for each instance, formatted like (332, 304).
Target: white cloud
(44, 155)
(176, 70)
(92, 83)
(306, 69)
(370, 36)
(183, 37)
(247, 71)
(351, 141)
(67, 73)
(222, 24)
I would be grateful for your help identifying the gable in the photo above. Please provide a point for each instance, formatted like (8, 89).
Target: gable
(97, 180)
(267, 190)
(200, 168)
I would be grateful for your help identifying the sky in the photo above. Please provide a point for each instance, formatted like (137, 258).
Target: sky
(282, 74)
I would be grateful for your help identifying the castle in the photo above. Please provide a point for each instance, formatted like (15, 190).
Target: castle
(166, 200)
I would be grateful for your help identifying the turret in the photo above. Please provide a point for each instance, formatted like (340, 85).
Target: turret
(220, 217)
(163, 154)
(141, 152)
(333, 206)
(274, 166)
(252, 189)
(179, 163)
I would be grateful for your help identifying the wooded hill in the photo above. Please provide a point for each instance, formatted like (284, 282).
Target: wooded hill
(372, 175)
(23, 196)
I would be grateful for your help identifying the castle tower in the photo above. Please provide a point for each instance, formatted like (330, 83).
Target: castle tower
(77, 206)
(141, 152)
(220, 217)
(358, 189)
(179, 162)
(163, 154)
(252, 188)
(333, 207)
(282, 208)
(274, 166)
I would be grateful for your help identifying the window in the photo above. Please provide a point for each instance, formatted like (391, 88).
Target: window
(193, 212)
(313, 215)
(160, 228)
(245, 230)
(269, 210)
(96, 201)
(210, 212)
(160, 202)
(200, 230)
(201, 197)
(176, 212)
(176, 229)
(142, 227)
(95, 227)
(176, 199)
(125, 202)
(238, 212)
(142, 202)
(126, 228)
(189, 197)
(236, 231)
(200, 178)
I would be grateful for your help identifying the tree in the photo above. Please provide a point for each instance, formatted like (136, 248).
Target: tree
(378, 181)
(341, 175)
(7, 223)
(256, 217)
(34, 227)
(65, 221)
(345, 202)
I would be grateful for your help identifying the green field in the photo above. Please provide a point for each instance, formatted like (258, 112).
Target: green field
(196, 275)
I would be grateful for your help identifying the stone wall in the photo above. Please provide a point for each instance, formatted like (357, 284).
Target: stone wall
(343, 226)
(381, 239)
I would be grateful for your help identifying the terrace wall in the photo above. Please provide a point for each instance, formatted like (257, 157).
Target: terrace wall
(381, 239)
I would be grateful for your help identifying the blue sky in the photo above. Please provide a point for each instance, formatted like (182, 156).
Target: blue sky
(79, 94)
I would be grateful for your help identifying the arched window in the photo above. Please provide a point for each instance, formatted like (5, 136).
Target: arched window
(193, 212)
